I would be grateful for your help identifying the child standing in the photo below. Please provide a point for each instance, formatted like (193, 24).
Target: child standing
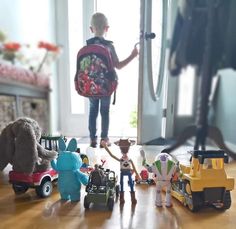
(99, 27)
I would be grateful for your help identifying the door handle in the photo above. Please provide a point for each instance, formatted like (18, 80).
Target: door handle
(149, 35)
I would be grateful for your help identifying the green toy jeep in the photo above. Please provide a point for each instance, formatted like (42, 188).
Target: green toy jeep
(102, 188)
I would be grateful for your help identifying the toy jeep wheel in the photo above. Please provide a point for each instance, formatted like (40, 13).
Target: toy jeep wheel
(110, 203)
(86, 202)
(44, 189)
(19, 189)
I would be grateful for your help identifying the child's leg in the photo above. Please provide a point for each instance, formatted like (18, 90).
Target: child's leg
(93, 113)
(104, 110)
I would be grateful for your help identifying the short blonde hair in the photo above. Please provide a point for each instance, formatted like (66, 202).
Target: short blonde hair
(99, 23)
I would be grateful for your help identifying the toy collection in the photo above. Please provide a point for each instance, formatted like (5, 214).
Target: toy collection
(30, 162)
(127, 167)
(68, 166)
(164, 168)
(204, 182)
(102, 187)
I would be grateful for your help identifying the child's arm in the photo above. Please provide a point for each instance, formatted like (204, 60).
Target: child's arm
(123, 63)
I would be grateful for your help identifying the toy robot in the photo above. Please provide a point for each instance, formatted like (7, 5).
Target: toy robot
(164, 168)
(126, 167)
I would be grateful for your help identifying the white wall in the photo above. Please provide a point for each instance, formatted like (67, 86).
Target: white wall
(27, 21)
(30, 21)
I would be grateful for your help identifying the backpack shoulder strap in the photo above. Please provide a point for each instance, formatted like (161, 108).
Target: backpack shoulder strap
(98, 40)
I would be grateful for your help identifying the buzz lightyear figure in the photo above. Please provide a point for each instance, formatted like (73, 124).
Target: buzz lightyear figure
(164, 168)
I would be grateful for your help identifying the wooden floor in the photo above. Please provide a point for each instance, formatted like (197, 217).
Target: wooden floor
(29, 211)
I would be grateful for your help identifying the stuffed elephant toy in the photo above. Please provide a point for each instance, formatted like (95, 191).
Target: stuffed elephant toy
(19, 146)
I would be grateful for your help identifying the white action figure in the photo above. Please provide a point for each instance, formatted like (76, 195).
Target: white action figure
(164, 168)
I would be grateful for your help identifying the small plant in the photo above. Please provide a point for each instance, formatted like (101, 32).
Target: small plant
(9, 50)
(133, 118)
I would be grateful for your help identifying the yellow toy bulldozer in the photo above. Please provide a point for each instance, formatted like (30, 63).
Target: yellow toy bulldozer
(204, 182)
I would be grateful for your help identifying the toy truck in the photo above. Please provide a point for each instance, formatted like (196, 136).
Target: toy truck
(41, 181)
(204, 182)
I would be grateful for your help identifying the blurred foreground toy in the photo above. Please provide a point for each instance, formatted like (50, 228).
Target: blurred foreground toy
(68, 166)
(126, 167)
(102, 187)
(204, 182)
(145, 178)
(164, 168)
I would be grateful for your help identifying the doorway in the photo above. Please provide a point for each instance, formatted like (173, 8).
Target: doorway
(124, 32)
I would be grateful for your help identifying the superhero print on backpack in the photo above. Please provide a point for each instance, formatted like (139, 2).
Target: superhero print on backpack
(95, 75)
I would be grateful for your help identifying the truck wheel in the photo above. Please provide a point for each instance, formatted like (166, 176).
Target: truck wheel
(86, 202)
(227, 200)
(193, 199)
(110, 203)
(225, 204)
(44, 189)
(19, 189)
(194, 202)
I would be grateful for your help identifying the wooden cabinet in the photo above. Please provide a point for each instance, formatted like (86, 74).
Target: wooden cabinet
(19, 99)
(7, 110)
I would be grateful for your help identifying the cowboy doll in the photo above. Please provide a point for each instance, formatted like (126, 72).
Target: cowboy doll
(127, 167)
